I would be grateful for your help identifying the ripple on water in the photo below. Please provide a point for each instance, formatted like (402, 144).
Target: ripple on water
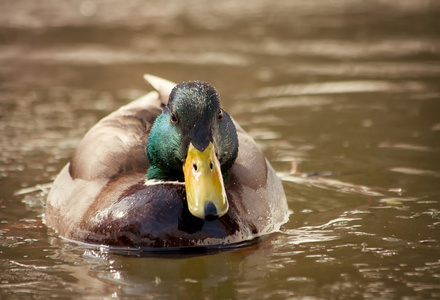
(340, 87)
(415, 171)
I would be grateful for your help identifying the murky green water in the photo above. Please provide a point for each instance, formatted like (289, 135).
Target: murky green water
(349, 89)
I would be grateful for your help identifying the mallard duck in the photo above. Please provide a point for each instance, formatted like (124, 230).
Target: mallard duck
(170, 169)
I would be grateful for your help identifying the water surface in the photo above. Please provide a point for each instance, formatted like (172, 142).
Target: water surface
(343, 97)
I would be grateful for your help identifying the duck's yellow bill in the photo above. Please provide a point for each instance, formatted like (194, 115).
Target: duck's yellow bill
(205, 190)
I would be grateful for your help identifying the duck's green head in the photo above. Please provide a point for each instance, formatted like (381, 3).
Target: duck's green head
(194, 140)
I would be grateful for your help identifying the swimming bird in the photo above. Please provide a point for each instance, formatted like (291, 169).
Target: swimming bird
(171, 169)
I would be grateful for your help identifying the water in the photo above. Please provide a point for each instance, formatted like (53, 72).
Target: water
(343, 98)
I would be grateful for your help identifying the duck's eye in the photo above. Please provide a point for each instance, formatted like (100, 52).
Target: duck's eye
(174, 118)
(211, 166)
(195, 166)
(220, 115)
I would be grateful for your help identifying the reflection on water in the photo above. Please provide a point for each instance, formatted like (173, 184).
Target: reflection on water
(342, 97)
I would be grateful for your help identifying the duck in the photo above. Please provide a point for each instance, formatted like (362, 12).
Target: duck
(170, 170)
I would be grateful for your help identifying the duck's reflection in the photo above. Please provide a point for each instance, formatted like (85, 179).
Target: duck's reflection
(188, 276)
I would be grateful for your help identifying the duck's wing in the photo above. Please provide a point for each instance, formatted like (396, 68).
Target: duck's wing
(117, 143)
